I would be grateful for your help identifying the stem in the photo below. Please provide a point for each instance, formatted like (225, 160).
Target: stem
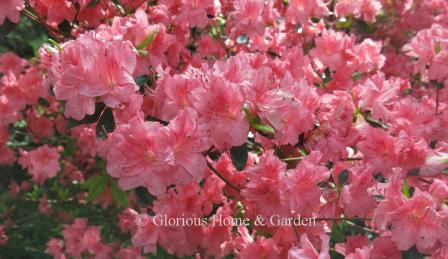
(424, 180)
(28, 12)
(352, 159)
(136, 7)
(360, 227)
(287, 159)
(437, 100)
(323, 219)
(222, 177)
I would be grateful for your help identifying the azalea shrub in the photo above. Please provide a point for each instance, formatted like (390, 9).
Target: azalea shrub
(129, 128)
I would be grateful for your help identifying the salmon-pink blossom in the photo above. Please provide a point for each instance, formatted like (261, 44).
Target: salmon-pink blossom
(42, 163)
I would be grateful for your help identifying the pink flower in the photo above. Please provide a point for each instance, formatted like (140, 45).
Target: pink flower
(378, 148)
(12, 99)
(216, 236)
(3, 237)
(12, 62)
(248, 17)
(194, 13)
(42, 163)
(368, 56)
(377, 95)
(265, 186)
(91, 67)
(365, 8)
(140, 156)
(7, 156)
(299, 11)
(80, 238)
(11, 9)
(73, 235)
(357, 247)
(129, 253)
(261, 248)
(173, 94)
(415, 223)
(308, 250)
(85, 139)
(332, 49)
(437, 70)
(355, 199)
(335, 130)
(189, 139)
(146, 235)
(55, 11)
(32, 86)
(290, 109)
(220, 105)
(301, 193)
(183, 202)
(412, 221)
(384, 247)
(55, 248)
(40, 126)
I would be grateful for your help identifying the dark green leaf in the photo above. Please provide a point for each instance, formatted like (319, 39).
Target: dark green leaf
(95, 186)
(412, 253)
(414, 172)
(356, 76)
(433, 144)
(88, 119)
(105, 125)
(343, 177)
(375, 123)
(93, 3)
(144, 198)
(239, 156)
(119, 195)
(65, 27)
(24, 38)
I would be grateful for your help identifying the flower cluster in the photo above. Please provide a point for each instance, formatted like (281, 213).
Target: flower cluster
(336, 111)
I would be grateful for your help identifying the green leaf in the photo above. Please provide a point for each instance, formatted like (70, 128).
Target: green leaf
(375, 123)
(24, 38)
(119, 195)
(243, 39)
(93, 3)
(405, 189)
(343, 177)
(263, 128)
(65, 27)
(379, 198)
(414, 171)
(144, 198)
(255, 123)
(105, 125)
(88, 119)
(239, 156)
(356, 76)
(147, 41)
(412, 253)
(95, 186)
(343, 23)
